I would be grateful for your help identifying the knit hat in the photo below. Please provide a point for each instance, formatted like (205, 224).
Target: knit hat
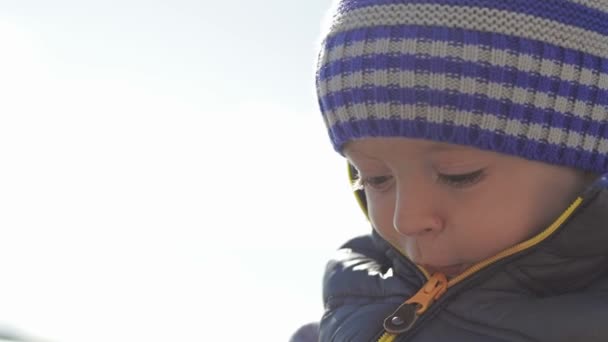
(523, 77)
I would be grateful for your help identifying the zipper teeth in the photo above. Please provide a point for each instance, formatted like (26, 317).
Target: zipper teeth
(519, 247)
(386, 337)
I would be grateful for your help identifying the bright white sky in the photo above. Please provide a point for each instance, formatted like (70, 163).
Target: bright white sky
(164, 171)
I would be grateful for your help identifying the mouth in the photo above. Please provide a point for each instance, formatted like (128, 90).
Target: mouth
(448, 270)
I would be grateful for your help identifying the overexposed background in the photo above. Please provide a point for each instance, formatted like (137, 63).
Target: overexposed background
(164, 171)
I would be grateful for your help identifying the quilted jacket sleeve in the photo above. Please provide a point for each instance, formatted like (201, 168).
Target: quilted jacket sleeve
(359, 290)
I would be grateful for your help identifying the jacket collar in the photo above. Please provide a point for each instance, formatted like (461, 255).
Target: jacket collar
(573, 256)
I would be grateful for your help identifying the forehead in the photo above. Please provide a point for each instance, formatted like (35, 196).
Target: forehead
(377, 147)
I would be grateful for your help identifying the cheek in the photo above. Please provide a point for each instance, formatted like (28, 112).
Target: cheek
(505, 220)
(381, 209)
(501, 225)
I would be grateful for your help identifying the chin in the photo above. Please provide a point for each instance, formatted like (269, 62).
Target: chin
(449, 270)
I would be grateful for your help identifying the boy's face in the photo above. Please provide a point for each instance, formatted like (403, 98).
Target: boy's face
(448, 206)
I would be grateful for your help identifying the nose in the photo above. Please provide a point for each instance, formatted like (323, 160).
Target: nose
(416, 210)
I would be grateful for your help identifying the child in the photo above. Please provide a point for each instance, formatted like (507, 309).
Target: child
(476, 132)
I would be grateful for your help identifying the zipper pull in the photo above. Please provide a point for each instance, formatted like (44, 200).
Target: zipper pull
(407, 313)
(430, 292)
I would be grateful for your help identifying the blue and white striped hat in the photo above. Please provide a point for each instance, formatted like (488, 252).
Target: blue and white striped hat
(522, 77)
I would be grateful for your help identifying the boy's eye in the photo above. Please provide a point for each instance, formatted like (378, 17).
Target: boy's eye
(461, 180)
(375, 183)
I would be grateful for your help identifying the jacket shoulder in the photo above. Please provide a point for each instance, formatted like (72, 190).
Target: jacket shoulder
(359, 290)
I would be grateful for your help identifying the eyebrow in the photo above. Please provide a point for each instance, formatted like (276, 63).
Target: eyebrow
(354, 152)
(439, 147)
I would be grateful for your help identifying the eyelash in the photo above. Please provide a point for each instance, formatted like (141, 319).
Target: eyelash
(457, 181)
(373, 182)
(463, 180)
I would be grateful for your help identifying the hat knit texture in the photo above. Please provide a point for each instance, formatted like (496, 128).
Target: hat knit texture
(522, 77)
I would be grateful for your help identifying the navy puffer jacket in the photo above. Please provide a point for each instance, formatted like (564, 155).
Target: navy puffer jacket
(554, 290)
